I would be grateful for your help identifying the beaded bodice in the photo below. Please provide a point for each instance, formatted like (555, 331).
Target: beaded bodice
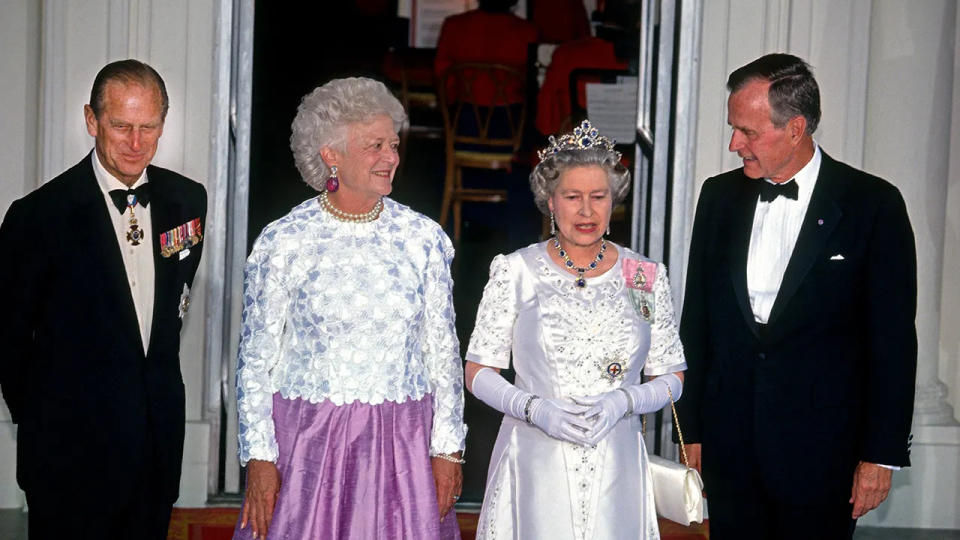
(567, 340)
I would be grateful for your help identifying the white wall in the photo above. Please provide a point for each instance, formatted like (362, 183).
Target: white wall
(887, 71)
(20, 43)
(950, 285)
(44, 87)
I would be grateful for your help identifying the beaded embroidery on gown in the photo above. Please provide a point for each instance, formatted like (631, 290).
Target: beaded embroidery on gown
(563, 341)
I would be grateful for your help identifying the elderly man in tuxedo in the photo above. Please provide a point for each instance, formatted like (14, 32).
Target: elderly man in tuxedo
(798, 323)
(97, 272)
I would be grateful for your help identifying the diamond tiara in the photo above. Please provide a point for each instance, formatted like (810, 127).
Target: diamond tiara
(583, 137)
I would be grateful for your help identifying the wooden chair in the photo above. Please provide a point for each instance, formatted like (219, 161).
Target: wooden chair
(484, 107)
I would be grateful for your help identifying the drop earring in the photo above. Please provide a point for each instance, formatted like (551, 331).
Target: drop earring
(553, 225)
(608, 229)
(333, 183)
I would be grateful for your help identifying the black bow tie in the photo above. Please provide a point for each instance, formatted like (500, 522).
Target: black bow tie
(769, 192)
(121, 197)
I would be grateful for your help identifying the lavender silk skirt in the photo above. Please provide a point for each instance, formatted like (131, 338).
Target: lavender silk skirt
(356, 471)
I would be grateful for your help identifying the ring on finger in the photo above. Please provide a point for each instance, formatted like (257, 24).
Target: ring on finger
(455, 497)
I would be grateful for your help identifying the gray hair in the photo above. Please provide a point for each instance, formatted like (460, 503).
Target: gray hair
(325, 114)
(126, 72)
(546, 175)
(793, 90)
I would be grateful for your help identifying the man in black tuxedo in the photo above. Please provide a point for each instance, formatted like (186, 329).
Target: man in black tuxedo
(97, 272)
(798, 323)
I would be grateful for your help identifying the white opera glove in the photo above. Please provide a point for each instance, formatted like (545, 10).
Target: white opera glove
(557, 418)
(608, 408)
(560, 419)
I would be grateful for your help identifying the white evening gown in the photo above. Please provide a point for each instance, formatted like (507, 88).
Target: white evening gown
(563, 340)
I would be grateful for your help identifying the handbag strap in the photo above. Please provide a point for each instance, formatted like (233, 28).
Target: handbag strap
(676, 422)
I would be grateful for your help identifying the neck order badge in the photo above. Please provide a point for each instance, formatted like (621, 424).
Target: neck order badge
(125, 199)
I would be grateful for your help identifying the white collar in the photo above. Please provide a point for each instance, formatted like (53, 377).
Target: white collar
(109, 182)
(806, 177)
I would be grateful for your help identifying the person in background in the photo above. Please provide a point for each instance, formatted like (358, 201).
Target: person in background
(349, 380)
(559, 21)
(798, 323)
(99, 266)
(489, 34)
(580, 320)
(553, 100)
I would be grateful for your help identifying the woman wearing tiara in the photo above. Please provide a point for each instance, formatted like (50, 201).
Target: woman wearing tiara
(584, 319)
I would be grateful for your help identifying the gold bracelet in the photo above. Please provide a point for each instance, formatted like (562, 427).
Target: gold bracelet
(451, 458)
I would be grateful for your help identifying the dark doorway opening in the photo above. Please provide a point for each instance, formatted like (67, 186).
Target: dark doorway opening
(298, 47)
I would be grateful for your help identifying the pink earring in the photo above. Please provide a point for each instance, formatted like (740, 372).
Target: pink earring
(333, 183)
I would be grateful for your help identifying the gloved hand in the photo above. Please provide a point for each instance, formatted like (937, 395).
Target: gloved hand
(560, 419)
(608, 408)
(604, 411)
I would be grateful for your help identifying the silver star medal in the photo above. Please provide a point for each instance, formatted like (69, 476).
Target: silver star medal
(184, 301)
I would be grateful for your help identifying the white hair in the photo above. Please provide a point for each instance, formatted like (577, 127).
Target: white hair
(546, 175)
(325, 114)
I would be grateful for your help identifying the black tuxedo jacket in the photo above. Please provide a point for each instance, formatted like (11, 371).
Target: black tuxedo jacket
(830, 380)
(94, 413)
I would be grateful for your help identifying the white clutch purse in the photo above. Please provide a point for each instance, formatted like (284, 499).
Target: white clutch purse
(677, 489)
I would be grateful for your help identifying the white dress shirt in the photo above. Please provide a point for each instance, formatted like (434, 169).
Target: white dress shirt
(137, 260)
(776, 226)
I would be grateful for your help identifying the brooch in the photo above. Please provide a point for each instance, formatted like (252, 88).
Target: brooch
(612, 370)
(184, 301)
(639, 277)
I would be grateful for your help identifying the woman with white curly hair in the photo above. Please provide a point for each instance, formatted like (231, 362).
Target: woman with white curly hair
(582, 320)
(349, 380)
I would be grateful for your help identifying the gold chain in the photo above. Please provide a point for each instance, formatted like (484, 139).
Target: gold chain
(676, 422)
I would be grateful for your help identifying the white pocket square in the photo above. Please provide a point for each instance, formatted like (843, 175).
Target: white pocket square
(837, 257)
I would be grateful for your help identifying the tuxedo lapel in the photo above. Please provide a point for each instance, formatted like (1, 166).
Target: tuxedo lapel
(90, 215)
(165, 213)
(745, 205)
(821, 218)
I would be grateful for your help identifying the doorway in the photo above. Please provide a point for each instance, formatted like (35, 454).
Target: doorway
(296, 48)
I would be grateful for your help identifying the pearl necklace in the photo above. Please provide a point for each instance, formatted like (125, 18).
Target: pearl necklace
(581, 282)
(347, 217)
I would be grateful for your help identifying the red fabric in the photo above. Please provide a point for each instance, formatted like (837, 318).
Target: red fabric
(553, 101)
(478, 36)
(560, 21)
(217, 523)
(202, 523)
